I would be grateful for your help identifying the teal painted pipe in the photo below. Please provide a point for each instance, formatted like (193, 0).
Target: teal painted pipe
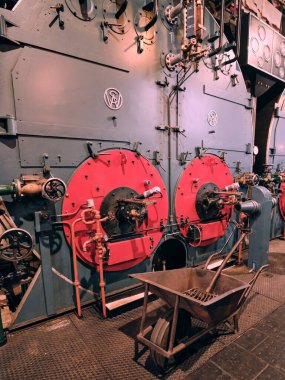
(7, 189)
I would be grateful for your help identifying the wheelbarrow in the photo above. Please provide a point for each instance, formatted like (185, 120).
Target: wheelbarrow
(172, 332)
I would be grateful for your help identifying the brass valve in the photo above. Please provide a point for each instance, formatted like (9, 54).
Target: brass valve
(33, 185)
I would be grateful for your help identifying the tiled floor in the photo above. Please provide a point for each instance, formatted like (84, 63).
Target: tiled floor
(93, 348)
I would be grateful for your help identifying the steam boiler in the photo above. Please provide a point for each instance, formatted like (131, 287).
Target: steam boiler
(126, 128)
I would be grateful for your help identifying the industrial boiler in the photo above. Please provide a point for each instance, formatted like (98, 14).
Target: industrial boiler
(131, 135)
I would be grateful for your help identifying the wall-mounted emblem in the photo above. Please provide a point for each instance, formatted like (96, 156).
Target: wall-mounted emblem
(113, 98)
(212, 118)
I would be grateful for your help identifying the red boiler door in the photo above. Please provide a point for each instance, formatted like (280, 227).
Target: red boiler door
(200, 209)
(116, 181)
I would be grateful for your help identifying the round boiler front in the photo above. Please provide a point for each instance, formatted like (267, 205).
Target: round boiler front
(202, 210)
(130, 199)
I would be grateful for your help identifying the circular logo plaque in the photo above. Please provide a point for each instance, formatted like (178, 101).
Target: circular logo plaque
(212, 118)
(113, 98)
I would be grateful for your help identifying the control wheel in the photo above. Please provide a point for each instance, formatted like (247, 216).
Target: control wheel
(54, 189)
(161, 336)
(15, 245)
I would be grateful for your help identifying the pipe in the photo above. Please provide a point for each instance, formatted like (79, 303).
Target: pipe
(102, 285)
(248, 207)
(101, 259)
(169, 159)
(99, 247)
(75, 268)
(171, 12)
(149, 193)
(7, 189)
(175, 59)
(74, 256)
(233, 187)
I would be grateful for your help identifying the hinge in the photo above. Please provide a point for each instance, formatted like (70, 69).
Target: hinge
(9, 126)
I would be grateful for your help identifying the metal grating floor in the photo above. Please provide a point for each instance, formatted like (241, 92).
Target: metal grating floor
(92, 348)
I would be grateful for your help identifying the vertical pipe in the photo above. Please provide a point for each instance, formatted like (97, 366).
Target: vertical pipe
(101, 259)
(102, 285)
(238, 30)
(75, 268)
(169, 159)
(222, 25)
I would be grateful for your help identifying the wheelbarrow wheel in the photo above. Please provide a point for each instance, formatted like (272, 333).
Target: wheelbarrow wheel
(161, 336)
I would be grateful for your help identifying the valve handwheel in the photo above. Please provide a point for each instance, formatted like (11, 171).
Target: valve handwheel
(15, 244)
(54, 189)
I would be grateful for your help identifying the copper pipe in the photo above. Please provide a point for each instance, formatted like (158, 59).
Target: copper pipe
(31, 189)
(99, 248)
(71, 214)
(102, 285)
(75, 268)
(98, 240)
(74, 256)
(101, 257)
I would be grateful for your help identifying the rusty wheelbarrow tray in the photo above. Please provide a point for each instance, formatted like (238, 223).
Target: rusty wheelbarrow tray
(172, 333)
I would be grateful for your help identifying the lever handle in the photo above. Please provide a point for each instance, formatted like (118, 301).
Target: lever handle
(105, 38)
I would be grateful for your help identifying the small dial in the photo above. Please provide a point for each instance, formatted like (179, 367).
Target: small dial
(266, 53)
(254, 45)
(261, 32)
(277, 59)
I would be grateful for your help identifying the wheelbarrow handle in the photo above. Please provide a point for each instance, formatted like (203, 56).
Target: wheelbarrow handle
(251, 283)
(260, 270)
